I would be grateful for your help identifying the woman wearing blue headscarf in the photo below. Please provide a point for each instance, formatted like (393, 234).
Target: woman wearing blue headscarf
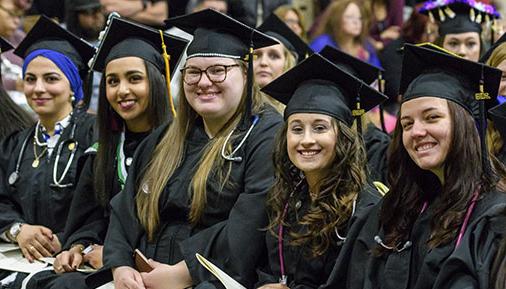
(39, 165)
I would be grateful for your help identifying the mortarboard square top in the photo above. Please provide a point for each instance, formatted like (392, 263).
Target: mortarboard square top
(47, 34)
(318, 86)
(219, 35)
(435, 72)
(459, 16)
(125, 38)
(356, 67)
(273, 26)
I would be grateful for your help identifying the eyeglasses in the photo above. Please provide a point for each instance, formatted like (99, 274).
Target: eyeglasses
(215, 73)
(13, 14)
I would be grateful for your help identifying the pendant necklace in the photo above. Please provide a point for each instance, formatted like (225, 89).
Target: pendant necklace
(36, 161)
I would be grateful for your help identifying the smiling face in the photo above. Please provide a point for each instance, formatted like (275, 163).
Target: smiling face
(127, 91)
(47, 89)
(466, 44)
(268, 64)
(215, 102)
(311, 143)
(426, 131)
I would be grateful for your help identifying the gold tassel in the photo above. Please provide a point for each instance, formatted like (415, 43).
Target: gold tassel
(450, 12)
(442, 16)
(431, 17)
(358, 111)
(482, 95)
(487, 19)
(478, 18)
(472, 15)
(166, 59)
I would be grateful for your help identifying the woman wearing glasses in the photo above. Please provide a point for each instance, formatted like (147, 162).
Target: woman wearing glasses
(39, 166)
(198, 184)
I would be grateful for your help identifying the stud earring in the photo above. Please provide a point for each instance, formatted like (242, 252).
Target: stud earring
(72, 97)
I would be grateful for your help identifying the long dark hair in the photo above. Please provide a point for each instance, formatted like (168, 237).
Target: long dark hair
(110, 125)
(13, 117)
(411, 186)
(345, 179)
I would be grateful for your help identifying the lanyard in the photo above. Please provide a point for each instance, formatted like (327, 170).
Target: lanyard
(120, 157)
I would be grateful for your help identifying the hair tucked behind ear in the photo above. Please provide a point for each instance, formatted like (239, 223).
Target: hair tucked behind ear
(168, 155)
(333, 207)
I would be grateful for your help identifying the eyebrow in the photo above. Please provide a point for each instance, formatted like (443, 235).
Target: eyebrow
(424, 111)
(128, 73)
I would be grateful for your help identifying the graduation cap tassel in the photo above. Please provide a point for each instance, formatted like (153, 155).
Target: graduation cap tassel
(450, 12)
(442, 16)
(88, 90)
(358, 111)
(381, 87)
(166, 59)
(249, 86)
(481, 97)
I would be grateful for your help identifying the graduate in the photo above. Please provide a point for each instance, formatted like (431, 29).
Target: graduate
(13, 117)
(444, 187)
(460, 25)
(496, 129)
(133, 101)
(198, 184)
(321, 180)
(39, 165)
(375, 140)
(272, 61)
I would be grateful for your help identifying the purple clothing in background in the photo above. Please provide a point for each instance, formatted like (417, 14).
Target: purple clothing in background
(394, 18)
(325, 39)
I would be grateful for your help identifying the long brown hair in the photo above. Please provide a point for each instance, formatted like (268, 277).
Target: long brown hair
(411, 186)
(332, 208)
(332, 20)
(168, 155)
(110, 125)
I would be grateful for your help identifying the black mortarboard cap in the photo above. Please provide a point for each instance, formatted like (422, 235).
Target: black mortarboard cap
(489, 52)
(217, 34)
(498, 116)
(273, 26)
(125, 38)
(47, 34)
(459, 16)
(436, 72)
(358, 68)
(318, 86)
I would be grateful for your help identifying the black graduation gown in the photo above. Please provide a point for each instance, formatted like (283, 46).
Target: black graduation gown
(418, 267)
(33, 199)
(228, 233)
(302, 270)
(87, 221)
(376, 144)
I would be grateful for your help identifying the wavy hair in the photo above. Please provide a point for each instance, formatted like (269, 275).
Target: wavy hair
(411, 186)
(110, 125)
(168, 156)
(338, 189)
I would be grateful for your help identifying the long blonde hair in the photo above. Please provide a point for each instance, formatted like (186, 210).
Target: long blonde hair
(168, 156)
(290, 62)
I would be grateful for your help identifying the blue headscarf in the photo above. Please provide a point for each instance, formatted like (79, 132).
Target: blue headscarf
(64, 64)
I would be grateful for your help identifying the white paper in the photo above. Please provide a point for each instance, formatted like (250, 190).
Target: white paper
(7, 247)
(14, 261)
(224, 278)
(109, 285)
